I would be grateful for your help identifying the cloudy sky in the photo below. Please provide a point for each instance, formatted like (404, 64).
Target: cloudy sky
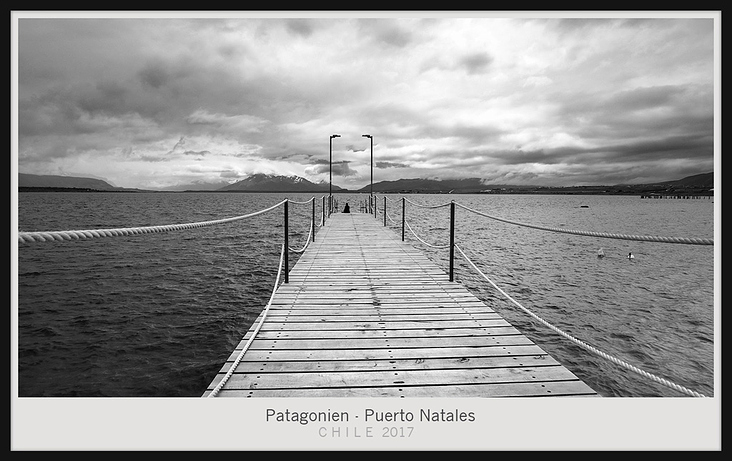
(526, 98)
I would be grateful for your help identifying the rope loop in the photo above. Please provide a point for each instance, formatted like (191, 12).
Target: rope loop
(307, 242)
(302, 203)
(427, 206)
(230, 372)
(406, 223)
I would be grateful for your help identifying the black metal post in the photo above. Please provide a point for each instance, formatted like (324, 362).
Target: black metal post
(371, 195)
(372, 165)
(312, 222)
(404, 203)
(287, 249)
(452, 239)
(385, 211)
(330, 175)
(323, 208)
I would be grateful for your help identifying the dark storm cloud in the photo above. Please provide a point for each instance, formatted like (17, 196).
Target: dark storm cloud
(475, 63)
(339, 168)
(657, 149)
(154, 74)
(387, 32)
(648, 116)
(390, 165)
(302, 27)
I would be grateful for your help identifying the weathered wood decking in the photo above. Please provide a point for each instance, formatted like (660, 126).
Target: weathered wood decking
(367, 315)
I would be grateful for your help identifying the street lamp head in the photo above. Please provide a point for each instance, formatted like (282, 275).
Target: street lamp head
(365, 135)
(335, 136)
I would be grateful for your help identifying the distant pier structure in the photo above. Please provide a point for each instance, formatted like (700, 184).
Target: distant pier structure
(676, 196)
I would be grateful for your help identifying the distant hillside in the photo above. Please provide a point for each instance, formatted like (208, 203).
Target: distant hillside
(698, 180)
(276, 183)
(469, 185)
(195, 186)
(54, 181)
(701, 183)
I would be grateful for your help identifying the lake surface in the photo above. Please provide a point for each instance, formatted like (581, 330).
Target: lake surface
(156, 315)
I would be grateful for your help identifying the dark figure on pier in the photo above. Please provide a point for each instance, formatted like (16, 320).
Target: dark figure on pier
(346, 209)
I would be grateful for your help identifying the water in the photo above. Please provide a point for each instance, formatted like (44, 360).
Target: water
(156, 315)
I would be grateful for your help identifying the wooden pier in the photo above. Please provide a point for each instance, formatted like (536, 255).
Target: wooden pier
(367, 315)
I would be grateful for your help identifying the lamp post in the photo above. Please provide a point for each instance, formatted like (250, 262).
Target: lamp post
(330, 174)
(371, 197)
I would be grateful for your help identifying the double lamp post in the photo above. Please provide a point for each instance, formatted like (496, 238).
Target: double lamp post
(330, 171)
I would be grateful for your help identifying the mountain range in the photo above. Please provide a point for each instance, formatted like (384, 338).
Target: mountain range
(276, 183)
(701, 183)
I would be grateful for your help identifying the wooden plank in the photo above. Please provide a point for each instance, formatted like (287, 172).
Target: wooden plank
(461, 353)
(382, 333)
(323, 366)
(280, 323)
(474, 390)
(361, 378)
(365, 314)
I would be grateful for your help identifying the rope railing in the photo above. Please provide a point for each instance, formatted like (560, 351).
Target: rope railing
(425, 206)
(58, 236)
(582, 344)
(301, 203)
(418, 238)
(244, 348)
(307, 242)
(645, 238)
(26, 237)
(311, 233)
(390, 218)
(452, 245)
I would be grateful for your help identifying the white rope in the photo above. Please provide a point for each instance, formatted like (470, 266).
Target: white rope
(83, 234)
(302, 203)
(390, 219)
(417, 237)
(692, 241)
(388, 199)
(230, 372)
(307, 242)
(426, 206)
(582, 344)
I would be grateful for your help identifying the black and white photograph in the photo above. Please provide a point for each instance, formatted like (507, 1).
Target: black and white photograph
(365, 230)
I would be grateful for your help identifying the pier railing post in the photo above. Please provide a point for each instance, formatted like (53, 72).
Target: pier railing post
(452, 239)
(385, 211)
(312, 221)
(287, 249)
(404, 206)
(323, 208)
